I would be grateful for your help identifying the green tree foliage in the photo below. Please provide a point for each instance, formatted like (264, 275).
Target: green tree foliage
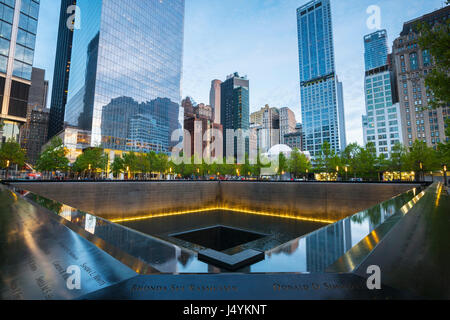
(93, 161)
(283, 164)
(436, 39)
(398, 160)
(421, 158)
(11, 153)
(117, 167)
(298, 163)
(54, 157)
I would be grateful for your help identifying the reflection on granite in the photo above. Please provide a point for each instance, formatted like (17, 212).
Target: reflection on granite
(292, 245)
(36, 250)
(423, 239)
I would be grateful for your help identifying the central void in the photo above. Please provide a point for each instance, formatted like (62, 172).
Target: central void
(225, 231)
(219, 238)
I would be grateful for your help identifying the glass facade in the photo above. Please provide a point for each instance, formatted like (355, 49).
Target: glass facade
(376, 50)
(382, 122)
(61, 71)
(235, 110)
(25, 39)
(18, 27)
(125, 73)
(321, 92)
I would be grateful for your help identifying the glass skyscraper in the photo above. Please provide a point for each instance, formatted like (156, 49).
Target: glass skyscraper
(61, 71)
(321, 92)
(235, 111)
(375, 50)
(382, 122)
(18, 27)
(125, 74)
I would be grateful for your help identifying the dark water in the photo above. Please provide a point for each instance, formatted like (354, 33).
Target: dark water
(275, 231)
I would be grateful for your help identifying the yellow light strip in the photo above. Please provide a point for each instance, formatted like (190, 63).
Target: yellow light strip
(269, 214)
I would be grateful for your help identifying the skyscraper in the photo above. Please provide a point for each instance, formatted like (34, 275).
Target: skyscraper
(214, 99)
(287, 123)
(126, 79)
(321, 92)
(412, 65)
(18, 27)
(375, 50)
(235, 108)
(267, 124)
(33, 134)
(61, 71)
(382, 123)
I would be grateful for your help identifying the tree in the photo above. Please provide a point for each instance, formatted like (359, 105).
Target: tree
(349, 158)
(421, 158)
(130, 163)
(325, 159)
(94, 160)
(11, 153)
(283, 164)
(398, 158)
(436, 39)
(117, 167)
(298, 163)
(53, 158)
(366, 161)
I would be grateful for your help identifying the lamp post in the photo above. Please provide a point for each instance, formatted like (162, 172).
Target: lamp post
(337, 173)
(421, 170)
(445, 174)
(346, 173)
(307, 173)
(6, 171)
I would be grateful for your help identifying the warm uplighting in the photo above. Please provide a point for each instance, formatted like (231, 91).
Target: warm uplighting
(224, 208)
(7, 163)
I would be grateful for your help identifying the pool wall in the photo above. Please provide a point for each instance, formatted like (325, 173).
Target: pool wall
(114, 200)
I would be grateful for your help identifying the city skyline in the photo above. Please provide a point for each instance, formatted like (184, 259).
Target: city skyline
(266, 43)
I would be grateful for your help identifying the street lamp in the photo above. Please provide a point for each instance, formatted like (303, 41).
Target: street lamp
(346, 172)
(421, 170)
(337, 173)
(445, 175)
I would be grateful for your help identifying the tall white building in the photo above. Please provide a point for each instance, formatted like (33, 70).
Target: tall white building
(382, 122)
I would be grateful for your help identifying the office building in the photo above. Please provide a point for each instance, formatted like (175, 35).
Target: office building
(61, 71)
(33, 133)
(382, 122)
(126, 79)
(412, 65)
(235, 105)
(18, 27)
(321, 92)
(287, 123)
(214, 99)
(266, 122)
(375, 50)
(295, 139)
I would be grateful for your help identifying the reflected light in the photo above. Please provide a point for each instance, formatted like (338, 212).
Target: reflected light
(261, 213)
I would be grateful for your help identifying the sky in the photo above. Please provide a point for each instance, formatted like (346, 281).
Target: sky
(258, 38)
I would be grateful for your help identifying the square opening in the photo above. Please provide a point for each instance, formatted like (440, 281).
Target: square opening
(219, 238)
